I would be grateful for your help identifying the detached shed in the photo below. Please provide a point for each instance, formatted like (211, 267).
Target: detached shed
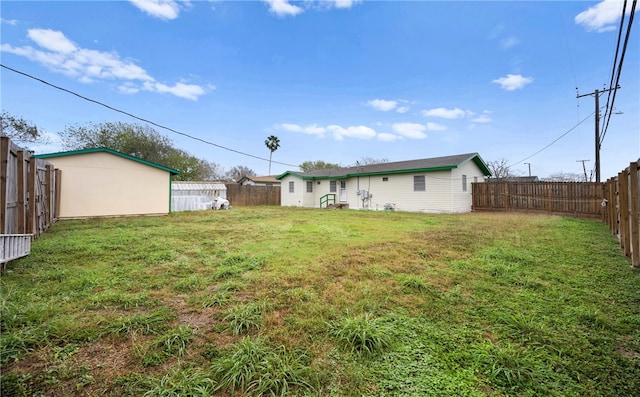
(103, 182)
(194, 196)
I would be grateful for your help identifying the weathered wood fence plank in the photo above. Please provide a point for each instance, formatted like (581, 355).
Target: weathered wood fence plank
(251, 195)
(29, 191)
(581, 199)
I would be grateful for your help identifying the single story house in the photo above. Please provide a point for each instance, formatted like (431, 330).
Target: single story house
(101, 182)
(439, 184)
(269, 180)
(193, 196)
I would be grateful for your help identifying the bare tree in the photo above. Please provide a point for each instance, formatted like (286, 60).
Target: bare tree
(370, 160)
(237, 172)
(500, 169)
(565, 177)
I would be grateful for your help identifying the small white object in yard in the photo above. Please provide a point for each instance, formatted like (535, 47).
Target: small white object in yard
(221, 204)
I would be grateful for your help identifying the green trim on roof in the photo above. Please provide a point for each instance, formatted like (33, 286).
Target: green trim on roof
(480, 163)
(107, 150)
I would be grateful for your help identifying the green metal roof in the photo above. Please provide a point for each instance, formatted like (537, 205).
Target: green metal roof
(399, 167)
(107, 150)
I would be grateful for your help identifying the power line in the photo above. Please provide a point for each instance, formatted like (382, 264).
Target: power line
(142, 119)
(554, 141)
(609, 110)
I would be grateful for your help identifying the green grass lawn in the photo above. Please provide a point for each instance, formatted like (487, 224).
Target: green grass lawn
(282, 301)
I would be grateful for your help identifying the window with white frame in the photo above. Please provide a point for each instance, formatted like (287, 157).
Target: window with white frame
(419, 183)
(291, 187)
(309, 186)
(464, 183)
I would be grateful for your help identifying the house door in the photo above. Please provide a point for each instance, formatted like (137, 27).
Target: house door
(343, 191)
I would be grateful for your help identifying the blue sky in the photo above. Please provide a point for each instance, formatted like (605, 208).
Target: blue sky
(336, 81)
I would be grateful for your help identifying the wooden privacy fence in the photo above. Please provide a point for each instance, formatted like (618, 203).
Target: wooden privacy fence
(251, 195)
(622, 212)
(29, 190)
(579, 199)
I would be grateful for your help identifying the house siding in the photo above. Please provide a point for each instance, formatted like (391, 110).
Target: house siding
(102, 184)
(443, 191)
(461, 201)
(294, 199)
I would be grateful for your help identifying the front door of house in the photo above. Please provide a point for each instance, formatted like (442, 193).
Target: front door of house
(343, 191)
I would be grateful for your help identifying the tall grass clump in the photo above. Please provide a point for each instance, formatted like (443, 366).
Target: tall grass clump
(254, 368)
(182, 382)
(362, 334)
(243, 318)
(153, 323)
(171, 343)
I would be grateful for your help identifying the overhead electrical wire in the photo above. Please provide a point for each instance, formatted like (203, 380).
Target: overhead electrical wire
(617, 71)
(554, 141)
(143, 119)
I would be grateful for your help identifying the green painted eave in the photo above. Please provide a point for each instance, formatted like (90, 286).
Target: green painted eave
(107, 150)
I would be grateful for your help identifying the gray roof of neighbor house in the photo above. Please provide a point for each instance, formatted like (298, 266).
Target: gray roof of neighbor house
(259, 179)
(107, 150)
(397, 167)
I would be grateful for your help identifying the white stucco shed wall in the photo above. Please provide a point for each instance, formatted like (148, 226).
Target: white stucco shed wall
(103, 184)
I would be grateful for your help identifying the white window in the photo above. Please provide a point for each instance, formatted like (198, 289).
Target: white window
(419, 183)
(385, 179)
(309, 186)
(291, 187)
(333, 187)
(464, 183)
(475, 179)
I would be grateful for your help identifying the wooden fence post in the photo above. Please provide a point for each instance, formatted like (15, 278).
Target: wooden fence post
(624, 211)
(31, 191)
(634, 186)
(22, 196)
(4, 166)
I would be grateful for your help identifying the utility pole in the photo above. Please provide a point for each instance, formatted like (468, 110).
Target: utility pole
(583, 168)
(597, 94)
(529, 164)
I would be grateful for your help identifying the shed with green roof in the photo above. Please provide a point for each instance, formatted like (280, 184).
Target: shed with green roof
(102, 182)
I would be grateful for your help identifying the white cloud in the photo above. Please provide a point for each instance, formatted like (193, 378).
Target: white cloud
(128, 88)
(445, 113)
(282, 8)
(601, 17)
(9, 21)
(360, 132)
(483, 118)
(382, 104)
(345, 3)
(187, 91)
(513, 82)
(402, 109)
(509, 42)
(163, 9)
(62, 55)
(386, 137)
(435, 127)
(312, 129)
(410, 130)
(52, 40)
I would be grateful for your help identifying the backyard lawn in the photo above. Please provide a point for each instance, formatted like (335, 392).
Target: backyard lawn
(308, 302)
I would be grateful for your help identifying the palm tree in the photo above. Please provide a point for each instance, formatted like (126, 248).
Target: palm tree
(273, 143)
